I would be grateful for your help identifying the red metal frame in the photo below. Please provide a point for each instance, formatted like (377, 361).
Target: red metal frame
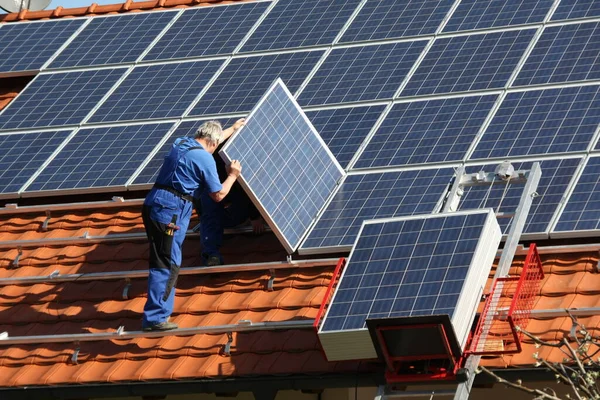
(508, 306)
(334, 278)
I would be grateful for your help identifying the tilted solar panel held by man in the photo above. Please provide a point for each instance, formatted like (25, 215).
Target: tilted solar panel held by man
(187, 171)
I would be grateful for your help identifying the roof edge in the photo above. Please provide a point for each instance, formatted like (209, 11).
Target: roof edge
(95, 9)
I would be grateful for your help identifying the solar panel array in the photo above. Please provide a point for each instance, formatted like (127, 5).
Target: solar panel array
(399, 90)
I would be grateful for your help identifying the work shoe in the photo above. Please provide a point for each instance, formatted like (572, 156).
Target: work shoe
(161, 326)
(213, 261)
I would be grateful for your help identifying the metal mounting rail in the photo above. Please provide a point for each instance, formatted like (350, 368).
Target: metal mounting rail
(121, 334)
(564, 312)
(116, 201)
(55, 277)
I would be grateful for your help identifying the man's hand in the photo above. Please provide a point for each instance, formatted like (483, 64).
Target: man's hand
(258, 225)
(238, 124)
(234, 169)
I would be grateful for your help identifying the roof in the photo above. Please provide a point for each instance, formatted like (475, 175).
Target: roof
(572, 280)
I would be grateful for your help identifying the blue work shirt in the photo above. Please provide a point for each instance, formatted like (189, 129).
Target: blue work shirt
(187, 171)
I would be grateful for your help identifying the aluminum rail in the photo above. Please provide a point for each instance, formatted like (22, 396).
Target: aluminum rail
(12, 208)
(565, 312)
(121, 334)
(55, 277)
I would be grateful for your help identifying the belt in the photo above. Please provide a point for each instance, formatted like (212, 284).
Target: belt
(176, 192)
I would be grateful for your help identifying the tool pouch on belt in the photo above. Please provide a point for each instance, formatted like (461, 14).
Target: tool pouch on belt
(174, 273)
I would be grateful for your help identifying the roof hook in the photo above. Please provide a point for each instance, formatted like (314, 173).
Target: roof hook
(15, 262)
(46, 221)
(271, 280)
(227, 347)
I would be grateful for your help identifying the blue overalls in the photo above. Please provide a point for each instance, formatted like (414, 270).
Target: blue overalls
(186, 169)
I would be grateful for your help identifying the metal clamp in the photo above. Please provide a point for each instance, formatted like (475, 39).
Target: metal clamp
(44, 227)
(15, 262)
(271, 280)
(227, 347)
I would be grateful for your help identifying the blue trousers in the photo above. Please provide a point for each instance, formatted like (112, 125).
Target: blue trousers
(229, 213)
(165, 255)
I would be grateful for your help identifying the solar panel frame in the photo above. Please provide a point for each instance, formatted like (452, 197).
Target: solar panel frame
(541, 122)
(426, 131)
(572, 9)
(389, 19)
(491, 14)
(59, 99)
(361, 73)
(303, 205)
(98, 159)
(375, 195)
(563, 53)
(33, 56)
(287, 25)
(237, 89)
(481, 62)
(113, 39)
(420, 267)
(579, 215)
(157, 91)
(223, 35)
(22, 154)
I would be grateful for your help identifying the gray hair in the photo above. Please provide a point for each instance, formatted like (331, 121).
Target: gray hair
(212, 131)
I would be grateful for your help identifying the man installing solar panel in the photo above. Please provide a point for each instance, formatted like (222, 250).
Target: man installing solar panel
(188, 170)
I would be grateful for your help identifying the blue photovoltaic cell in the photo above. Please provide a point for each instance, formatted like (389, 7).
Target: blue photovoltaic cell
(361, 73)
(563, 54)
(207, 31)
(583, 206)
(59, 99)
(293, 23)
(477, 14)
(569, 9)
(100, 157)
(242, 83)
(157, 91)
(113, 39)
(344, 129)
(384, 19)
(542, 122)
(380, 195)
(405, 268)
(462, 63)
(187, 128)
(285, 164)
(556, 175)
(21, 155)
(27, 46)
(427, 131)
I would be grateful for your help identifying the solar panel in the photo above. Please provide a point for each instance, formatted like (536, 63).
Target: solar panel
(345, 129)
(542, 122)
(556, 176)
(187, 128)
(286, 168)
(293, 23)
(27, 46)
(473, 14)
(21, 155)
(207, 31)
(113, 39)
(157, 91)
(563, 54)
(100, 157)
(473, 62)
(427, 131)
(387, 19)
(242, 83)
(59, 99)
(583, 205)
(361, 73)
(568, 9)
(411, 267)
(376, 195)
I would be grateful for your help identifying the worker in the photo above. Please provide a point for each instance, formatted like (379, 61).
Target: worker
(235, 210)
(188, 168)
